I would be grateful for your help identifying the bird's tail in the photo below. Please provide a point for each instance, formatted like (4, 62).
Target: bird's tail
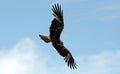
(46, 39)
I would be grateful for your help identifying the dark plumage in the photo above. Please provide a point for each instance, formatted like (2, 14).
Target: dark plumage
(55, 29)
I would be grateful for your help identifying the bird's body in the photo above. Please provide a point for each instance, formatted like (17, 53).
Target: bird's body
(55, 29)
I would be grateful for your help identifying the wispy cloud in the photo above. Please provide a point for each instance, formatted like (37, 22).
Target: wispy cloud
(107, 12)
(103, 63)
(24, 58)
(106, 8)
(110, 17)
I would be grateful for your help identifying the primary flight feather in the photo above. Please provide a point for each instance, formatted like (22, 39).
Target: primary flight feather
(57, 25)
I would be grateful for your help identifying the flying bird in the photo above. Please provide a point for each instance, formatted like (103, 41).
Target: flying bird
(57, 25)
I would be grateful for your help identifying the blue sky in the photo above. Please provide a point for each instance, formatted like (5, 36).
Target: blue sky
(91, 33)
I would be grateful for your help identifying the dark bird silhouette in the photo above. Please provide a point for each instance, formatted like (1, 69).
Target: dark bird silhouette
(57, 25)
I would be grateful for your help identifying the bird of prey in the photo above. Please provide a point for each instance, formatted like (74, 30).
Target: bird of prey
(57, 25)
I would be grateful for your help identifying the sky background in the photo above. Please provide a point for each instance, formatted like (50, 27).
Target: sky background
(91, 33)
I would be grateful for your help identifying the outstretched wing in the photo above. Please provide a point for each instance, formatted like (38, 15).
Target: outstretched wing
(56, 28)
(63, 51)
(57, 23)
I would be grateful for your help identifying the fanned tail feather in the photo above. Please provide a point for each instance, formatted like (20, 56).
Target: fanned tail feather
(45, 38)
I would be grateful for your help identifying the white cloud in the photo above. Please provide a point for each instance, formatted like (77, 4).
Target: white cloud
(24, 58)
